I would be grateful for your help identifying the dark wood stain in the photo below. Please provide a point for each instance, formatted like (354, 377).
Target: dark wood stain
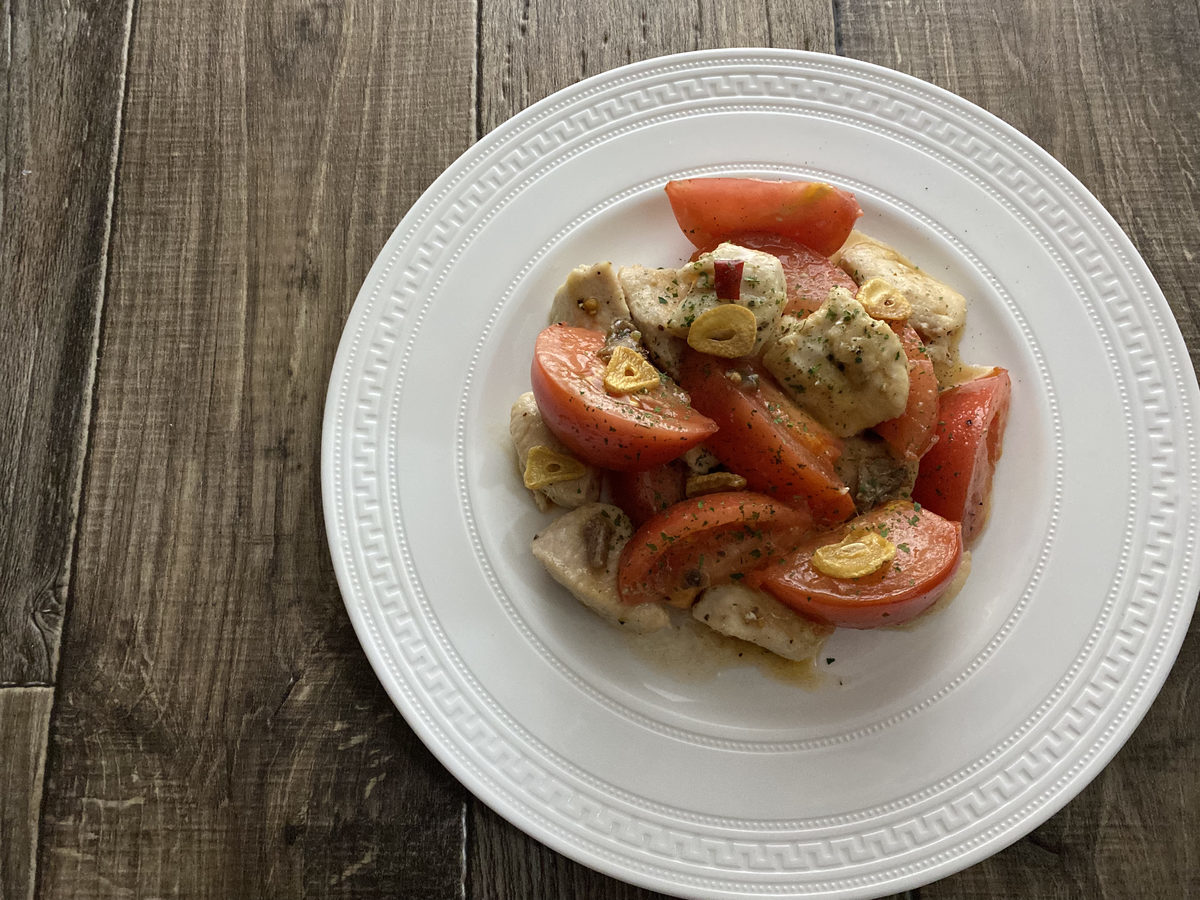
(1106, 88)
(61, 68)
(217, 730)
(184, 709)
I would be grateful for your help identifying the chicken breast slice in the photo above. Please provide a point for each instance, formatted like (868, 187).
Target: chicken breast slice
(591, 297)
(527, 430)
(580, 549)
(763, 291)
(844, 368)
(652, 295)
(938, 311)
(741, 612)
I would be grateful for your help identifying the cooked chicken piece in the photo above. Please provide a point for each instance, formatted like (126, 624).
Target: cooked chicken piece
(938, 311)
(763, 291)
(872, 473)
(591, 297)
(527, 430)
(757, 617)
(844, 368)
(580, 550)
(652, 294)
(700, 460)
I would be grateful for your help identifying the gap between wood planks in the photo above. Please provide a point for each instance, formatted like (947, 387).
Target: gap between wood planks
(835, 10)
(477, 84)
(43, 715)
(86, 425)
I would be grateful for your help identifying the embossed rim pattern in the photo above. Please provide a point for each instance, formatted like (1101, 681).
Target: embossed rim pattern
(1068, 734)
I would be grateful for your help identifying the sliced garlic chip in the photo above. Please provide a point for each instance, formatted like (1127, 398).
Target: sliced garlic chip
(628, 372)
(858, 554)
(728, 331)
(544, 466)
(882, 301)
(713, 482)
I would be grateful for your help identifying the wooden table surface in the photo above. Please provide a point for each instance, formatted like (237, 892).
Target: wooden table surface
(191, 194)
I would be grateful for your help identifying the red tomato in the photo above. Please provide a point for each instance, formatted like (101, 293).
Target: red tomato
(626, 432)
(816, 214)
(928, 552)
(763, 436)
(709, 540)
(643, 494)
(955, 477)
(914, 431)
(808, 274)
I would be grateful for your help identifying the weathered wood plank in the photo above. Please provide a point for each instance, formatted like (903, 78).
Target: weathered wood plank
(528, 51)
(62, 67)
(24, 726)
(217, 731)
(504, 864)
(534, 48)
(1107, 88)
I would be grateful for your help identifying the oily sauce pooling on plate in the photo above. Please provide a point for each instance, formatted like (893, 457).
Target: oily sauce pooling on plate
(776, 438)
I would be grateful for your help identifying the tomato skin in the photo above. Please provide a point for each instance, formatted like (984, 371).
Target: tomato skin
(911, 434)
(709, 540)
(810, 277)
(642, 495)
(763, 436)
(955, 476)
(898, 592)
(625, 433)
(816, 214)
(807, 274)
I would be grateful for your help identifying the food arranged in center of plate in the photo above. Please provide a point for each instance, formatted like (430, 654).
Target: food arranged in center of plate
(777, 437)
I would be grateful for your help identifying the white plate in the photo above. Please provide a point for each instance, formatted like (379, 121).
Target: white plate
(925, 749)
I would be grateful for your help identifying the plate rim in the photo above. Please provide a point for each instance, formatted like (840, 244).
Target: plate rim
(1171, 335)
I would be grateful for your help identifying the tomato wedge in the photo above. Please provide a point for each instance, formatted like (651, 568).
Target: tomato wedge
(807, 274)
(710, 540)
(626, 432)
(955, 477)
(911, 434)
(928, 552)
(816, 214)
(763, 436)
(642, 495)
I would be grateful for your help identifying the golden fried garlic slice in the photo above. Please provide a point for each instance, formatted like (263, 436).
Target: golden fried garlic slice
(628, 372)
(528, 430)
(713, 483)
(938, 311)
(856, 555)
(544, 466)
(728, 331)
(762, 290)
(882, 301)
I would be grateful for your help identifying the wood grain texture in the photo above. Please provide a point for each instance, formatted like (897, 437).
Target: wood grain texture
(217, 731)
(533, 48)
(528, 51)
(62, 68)
(505, 865)
(24, 724)
(1108, 88)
